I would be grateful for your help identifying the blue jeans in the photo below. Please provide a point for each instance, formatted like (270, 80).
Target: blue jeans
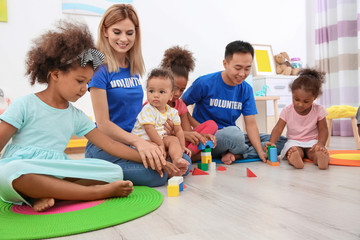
(232, 139)
(133, 171)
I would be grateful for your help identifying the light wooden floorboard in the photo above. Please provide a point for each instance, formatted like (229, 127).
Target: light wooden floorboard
(280, 203)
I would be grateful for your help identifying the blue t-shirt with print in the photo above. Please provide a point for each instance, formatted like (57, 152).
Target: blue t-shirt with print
(124, 95)
(215, 100)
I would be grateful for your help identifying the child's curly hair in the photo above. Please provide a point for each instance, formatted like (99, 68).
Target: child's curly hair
(310, 80)
(179, 60)
(163, 74)
(53, 49)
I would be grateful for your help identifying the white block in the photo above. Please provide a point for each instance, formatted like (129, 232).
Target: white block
(205, 153)
(176, 180)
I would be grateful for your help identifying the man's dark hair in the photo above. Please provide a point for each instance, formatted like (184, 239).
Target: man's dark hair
(238, 46)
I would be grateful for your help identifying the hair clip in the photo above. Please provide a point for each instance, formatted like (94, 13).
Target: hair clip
(90, 55)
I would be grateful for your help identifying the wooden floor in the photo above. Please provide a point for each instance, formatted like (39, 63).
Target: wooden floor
(280, 203)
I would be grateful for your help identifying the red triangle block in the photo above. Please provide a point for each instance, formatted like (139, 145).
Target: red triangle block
(198, 171)
(184, 186)
(221, 168)
(250, 173)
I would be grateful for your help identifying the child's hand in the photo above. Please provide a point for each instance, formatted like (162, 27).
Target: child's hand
(187, 151)
(194, 137)
(169, 128)
(263, 156)
(268, 144)
(211, 138)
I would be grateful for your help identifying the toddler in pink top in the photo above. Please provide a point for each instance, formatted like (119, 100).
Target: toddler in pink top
(307, 130)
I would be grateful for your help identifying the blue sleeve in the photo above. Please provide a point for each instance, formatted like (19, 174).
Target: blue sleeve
(194, 93)
(100, 78)
(249, 105)
(15, 114)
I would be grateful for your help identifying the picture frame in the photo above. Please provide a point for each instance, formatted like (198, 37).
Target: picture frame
(3, 11)
(264, 63)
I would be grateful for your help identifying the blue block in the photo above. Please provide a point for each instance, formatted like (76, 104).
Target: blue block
(273, 155)
(209, 144)
(181, 186)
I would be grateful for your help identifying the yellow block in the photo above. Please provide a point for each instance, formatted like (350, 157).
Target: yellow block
(173, 190)
(206, 159)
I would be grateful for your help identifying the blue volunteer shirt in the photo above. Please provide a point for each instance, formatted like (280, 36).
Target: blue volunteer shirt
(215, 100)
(124, 95)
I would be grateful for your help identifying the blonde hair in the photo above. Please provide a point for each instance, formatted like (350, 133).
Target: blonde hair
(114, 14)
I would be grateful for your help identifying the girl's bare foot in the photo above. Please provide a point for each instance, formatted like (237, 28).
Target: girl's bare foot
(181, 164)
(228, 158)
(294, 158)
(43, 204)
(322, 159)
(121, 188)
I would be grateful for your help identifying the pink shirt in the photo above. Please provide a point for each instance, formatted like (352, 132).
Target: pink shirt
(180, 106)
(302, 128)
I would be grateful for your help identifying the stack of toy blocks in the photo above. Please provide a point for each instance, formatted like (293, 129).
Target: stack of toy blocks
(272, 156)
(175, 186)
(206, 159)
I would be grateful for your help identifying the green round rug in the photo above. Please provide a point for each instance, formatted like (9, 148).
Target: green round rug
(108, 213)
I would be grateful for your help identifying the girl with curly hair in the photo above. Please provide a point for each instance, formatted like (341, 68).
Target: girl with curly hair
(307, 130)
(34, 168)
(180, 62)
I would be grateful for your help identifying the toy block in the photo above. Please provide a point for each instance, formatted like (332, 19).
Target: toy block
(273, 155)
(203, 166)
(199, 172)
(206, 150)
(206, 159)
(250, 173)
(212, 166)
(184, 186)
(272, 163)
(205, 153)
(268, 148)
(173, 190)
(176, 180)
(221, 168)
(209, 144)
(181, 186)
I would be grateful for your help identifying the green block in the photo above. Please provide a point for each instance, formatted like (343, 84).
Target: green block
(268, 148)
(206, 150)
(203, 166)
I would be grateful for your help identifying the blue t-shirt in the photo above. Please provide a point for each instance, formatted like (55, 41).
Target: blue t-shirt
(124, 95)
(215, 100)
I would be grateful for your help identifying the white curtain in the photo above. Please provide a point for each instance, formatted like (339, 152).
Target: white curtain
(337, 47)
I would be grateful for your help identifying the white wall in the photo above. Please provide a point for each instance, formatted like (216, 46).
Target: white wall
(204, 26)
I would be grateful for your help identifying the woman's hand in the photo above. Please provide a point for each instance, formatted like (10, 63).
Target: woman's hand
(151, 154)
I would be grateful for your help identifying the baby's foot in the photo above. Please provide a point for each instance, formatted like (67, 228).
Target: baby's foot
(322, 159)
(43, 204)
(228, 158)
(121, 188)
(294, 158)
(181, 164)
